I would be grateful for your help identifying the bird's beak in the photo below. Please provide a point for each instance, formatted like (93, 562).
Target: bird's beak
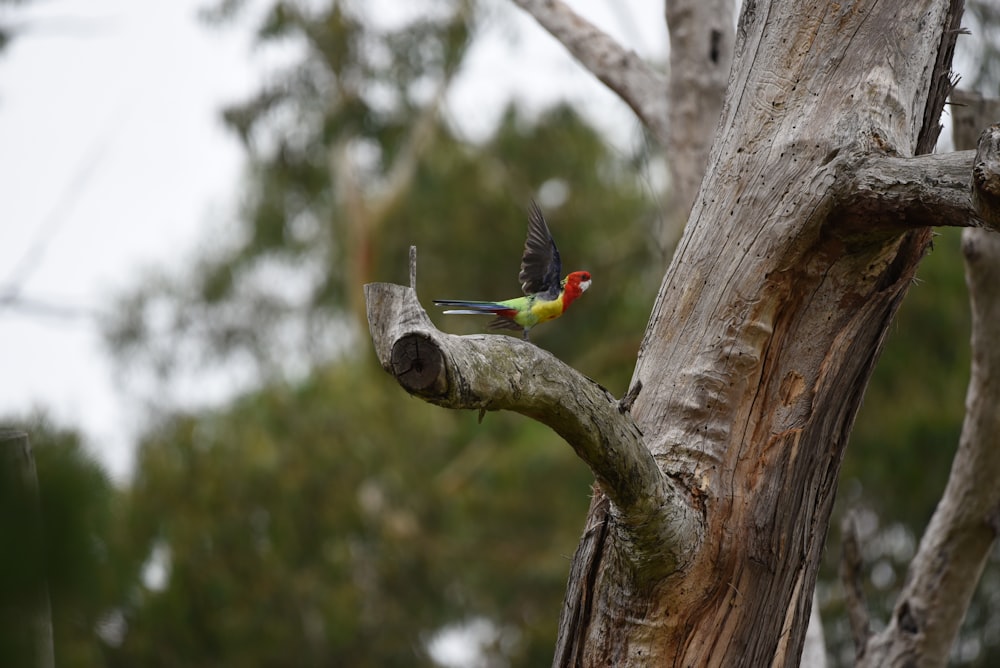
(584, 285)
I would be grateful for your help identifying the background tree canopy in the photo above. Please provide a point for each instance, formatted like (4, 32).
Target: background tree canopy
(321, 515)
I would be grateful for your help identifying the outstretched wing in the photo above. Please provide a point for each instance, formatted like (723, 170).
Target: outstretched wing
(540, 266)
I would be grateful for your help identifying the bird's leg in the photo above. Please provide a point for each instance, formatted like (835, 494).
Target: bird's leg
(524, 334)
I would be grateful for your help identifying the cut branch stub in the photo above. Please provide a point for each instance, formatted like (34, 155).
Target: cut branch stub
(889, 193)
(418, 365)
(986, 176)
(656, 528)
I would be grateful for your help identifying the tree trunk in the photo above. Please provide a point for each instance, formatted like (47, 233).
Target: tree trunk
(716, 473)
(25, 615)
(701, 53)
(768, 324)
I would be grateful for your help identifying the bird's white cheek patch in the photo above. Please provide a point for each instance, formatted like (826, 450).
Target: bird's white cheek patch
(584, 285)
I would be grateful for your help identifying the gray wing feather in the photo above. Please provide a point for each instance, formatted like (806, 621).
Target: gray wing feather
(541, 269)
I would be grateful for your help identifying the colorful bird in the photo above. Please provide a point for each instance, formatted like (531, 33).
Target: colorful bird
(545, 296)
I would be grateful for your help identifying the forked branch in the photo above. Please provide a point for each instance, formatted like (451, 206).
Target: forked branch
(493, 372)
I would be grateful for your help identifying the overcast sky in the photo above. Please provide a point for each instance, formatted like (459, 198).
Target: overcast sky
(113, 160)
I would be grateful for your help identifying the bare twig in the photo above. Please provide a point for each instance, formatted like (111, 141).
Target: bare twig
(413, 268)
(852, 575)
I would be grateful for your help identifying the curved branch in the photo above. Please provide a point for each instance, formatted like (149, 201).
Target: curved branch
(620, 69)
(491, 372)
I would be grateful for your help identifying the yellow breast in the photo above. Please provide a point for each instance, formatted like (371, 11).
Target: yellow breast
(545, 311)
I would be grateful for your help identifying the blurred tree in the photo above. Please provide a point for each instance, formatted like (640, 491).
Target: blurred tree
(321, 532)
(285, 536)
(982, 52)
(346, 148)
(314, 517)
(83, 562)
(7, 30)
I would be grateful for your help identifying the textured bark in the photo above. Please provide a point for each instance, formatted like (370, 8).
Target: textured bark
(945, 571)
(762, 339)
(889, 193)
(769, 321)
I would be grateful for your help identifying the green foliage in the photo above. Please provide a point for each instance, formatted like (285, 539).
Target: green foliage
(354, 524)
(908, 428)
(331, 518)
(331, 132)
(81, 560)
(340, 522)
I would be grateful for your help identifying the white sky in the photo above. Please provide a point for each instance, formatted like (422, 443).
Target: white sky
(113, 160)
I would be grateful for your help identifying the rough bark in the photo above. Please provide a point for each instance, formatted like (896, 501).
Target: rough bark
(945, 571)
(771, 316)
(886, 192)
(762, 339)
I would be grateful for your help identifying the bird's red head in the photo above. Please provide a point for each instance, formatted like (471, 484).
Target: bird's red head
(574, 286)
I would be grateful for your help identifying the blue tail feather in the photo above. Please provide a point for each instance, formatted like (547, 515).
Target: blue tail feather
(470, 308)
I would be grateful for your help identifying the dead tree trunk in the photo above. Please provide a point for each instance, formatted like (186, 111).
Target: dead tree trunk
(716, 474)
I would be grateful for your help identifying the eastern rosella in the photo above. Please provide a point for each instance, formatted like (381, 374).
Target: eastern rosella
(545, 296)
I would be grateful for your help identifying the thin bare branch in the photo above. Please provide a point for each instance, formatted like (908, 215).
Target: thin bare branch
(852, 575)
(413, 268)
(620, 69)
